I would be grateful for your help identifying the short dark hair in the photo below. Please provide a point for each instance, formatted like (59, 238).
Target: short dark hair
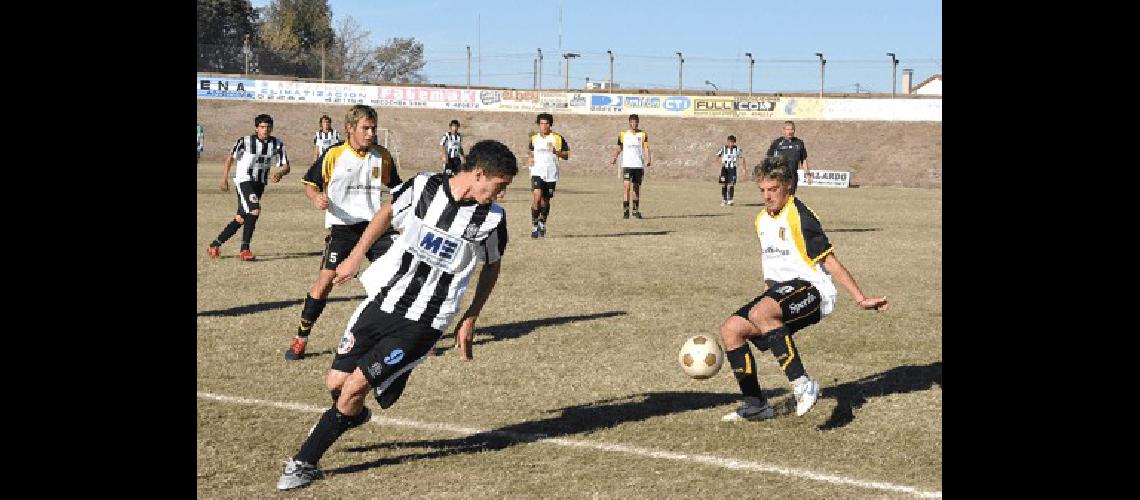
(634, 117)
(323, 118)
(549, 118)
(773, 167)
(789, 122)
(494, 157)
(453, 122)
(262, 118)
(732, 138)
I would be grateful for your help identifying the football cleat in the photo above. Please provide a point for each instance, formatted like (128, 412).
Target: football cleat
(751, 409)
(246, 255)
(806, 391)
(297, 350)
(298, 474)
(213, 251)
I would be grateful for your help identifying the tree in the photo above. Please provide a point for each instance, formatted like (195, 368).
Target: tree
(222, 27)
(400, 60)
(353, 57)
(293, 32)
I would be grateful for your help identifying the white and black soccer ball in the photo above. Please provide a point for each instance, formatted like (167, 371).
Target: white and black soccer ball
(700, 357)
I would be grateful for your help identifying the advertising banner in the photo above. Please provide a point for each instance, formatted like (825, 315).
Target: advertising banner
(419, 97)
(210, 87)
(719, 106)
(330, 93)
(758, 107)
(605, 103)
(826, 178)
(508, 100)
(883, 109)
(550, 101)
(803, 108)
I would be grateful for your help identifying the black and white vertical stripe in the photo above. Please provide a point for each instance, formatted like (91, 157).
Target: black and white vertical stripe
(255, 157)
(325, 140)
(417, 290)
(729, 156)
(454, 143)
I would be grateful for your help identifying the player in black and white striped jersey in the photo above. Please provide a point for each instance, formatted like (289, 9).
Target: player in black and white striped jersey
(451, 147)
(730, 157)
(255, 155)
(448, 225)
(326, 137)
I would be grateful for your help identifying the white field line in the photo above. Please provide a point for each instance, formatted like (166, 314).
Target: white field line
(728, 463)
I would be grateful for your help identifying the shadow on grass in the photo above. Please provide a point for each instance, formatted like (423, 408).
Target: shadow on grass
(614, 235)
(277, 256)
(898, 380)
(689, 216)
(515, 330)
(269, 306)
(570, 420)
(852, 230)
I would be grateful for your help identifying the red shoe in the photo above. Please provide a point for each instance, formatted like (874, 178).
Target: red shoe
(246, 255)
(213, 251)
(297, 350)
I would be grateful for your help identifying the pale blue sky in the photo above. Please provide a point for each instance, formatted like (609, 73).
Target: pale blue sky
(713, 36)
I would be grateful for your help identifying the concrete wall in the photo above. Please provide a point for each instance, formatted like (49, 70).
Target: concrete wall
(877, 153)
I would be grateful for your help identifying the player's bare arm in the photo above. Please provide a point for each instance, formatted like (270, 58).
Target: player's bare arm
(380, 223)
(565, 155)
(443, 153)
(226, 173)
(648, 154)
(465, 329)
(316, 197)
(617, 152)
(831, 262)
(276, 177)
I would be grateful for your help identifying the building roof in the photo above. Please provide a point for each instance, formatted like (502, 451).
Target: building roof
(926, 81)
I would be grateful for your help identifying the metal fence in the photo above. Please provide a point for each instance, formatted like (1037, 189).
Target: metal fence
(526, 70)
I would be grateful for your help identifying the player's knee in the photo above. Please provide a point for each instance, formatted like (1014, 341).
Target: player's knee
(239, 219)
(765, 314)
(733, 333)
(334, 380)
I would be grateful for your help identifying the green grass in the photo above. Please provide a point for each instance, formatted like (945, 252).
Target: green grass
(579, 340)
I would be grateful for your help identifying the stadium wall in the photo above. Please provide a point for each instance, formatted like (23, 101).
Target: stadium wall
(903, 147)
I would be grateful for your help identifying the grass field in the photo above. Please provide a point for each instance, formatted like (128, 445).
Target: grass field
(575, 391)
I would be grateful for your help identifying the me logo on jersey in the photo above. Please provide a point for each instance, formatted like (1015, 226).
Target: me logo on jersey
(438, 245)
(394, 357)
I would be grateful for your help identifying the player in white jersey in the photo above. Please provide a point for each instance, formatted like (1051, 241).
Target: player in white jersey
(349, 182)
(633, 146)
(255, 155)
(545, 148)
(325, 137)
(201, 140)
(730, 158)
(451, 148)
(798, 262)
(448, 225)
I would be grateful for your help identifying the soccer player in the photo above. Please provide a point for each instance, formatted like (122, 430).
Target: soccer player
(348, 182)
(255, 154)
(545, 148)
(798, 262)
(326, 136)
(630, 144)
(791, 147)
(201, 141)
(729, 157)
(451, 147)
(448, 225)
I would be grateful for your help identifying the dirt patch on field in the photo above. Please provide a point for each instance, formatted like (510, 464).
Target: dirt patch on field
(877, 153)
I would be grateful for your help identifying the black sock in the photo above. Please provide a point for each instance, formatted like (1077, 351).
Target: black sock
(625, 205)
(744, 369)
(784, 349)
(309, 314)
(332, 424)
(247, 230)
(730, 192)
(544, 212)
(226, 233)
(635, 203)
(534, 216)
(724, 192)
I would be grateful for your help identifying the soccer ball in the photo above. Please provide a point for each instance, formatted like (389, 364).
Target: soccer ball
(700, 357)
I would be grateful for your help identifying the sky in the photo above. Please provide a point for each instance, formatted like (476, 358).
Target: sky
(712, 36)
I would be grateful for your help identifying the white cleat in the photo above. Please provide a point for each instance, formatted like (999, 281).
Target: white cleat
(298, 474)
(806, 391)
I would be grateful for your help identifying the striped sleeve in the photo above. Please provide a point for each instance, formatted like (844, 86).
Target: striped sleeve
(496, 243)
(443, 140)
(281, 158)
(404, 198)
(317, 138)
(530, 142)
(239, 148)
(720, 152)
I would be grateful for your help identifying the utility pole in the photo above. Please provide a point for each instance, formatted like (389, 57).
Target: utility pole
(822, 62)
(680, 68)
(894, 66)
(751, 64)
(611, 85)
(540, 69)
(468, 67)
(245, 50)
